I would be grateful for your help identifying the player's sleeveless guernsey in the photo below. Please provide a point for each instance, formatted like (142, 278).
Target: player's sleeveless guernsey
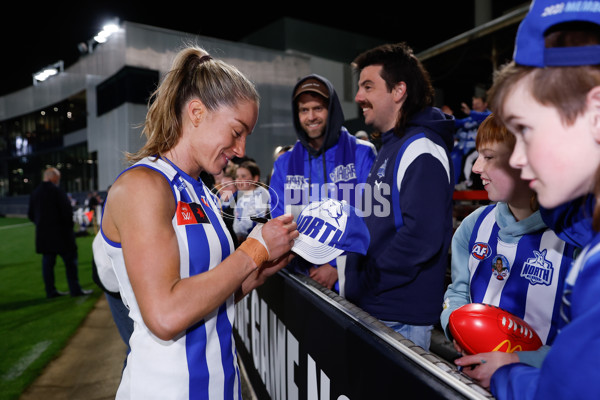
(524, 278)
(201, 363)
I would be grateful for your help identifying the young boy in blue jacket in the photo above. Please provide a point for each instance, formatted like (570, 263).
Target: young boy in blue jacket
(549, 97)
(511, 233)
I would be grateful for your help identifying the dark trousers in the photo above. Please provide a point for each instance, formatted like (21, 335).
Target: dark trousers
(120, 315)
(48, 263)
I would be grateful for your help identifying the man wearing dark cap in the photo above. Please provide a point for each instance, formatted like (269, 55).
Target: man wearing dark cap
(326, 161)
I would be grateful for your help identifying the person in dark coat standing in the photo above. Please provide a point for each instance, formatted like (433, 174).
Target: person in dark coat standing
(51, 212)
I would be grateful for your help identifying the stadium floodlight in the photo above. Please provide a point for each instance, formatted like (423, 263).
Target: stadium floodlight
(101, 37)
(108, 29)
(49, 71)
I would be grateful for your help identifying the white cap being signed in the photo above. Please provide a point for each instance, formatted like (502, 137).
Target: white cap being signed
(327, 229)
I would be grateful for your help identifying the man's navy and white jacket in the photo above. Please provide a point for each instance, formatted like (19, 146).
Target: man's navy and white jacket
(409, 215)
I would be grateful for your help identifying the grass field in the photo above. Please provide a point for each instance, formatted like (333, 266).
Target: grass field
(33, 329)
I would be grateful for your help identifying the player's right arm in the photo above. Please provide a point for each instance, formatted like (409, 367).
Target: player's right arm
(138, 215)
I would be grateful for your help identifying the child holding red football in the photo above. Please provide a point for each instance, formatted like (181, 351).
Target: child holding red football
(495, 250)
(549, 97)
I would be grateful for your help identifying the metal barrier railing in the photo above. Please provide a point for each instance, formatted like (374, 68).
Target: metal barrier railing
(328, 315)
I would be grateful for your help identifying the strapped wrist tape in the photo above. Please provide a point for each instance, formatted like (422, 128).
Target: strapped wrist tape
(255, 249)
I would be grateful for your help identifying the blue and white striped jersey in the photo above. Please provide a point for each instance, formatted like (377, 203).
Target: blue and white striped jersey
(525, 278)
(201, 363)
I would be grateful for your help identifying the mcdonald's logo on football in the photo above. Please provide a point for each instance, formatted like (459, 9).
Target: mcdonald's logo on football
(508, 348)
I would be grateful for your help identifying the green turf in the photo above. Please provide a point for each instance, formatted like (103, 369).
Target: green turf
(33, 329)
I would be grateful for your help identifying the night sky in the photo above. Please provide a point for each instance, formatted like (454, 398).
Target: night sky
(36, 36)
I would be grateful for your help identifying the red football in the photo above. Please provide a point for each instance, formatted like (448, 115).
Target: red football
(480, 328)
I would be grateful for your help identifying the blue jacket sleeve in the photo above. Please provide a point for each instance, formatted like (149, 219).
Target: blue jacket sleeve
(426, 204)
(474, 116)
(277, 186)
(570, 369)
(515, 382)
(571, 221)
(479, 116)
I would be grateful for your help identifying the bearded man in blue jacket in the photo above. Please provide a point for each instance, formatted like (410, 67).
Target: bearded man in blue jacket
(400, 281)
(325, 162)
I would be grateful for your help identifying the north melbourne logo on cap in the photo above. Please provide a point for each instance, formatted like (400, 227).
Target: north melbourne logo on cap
(327, 229)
